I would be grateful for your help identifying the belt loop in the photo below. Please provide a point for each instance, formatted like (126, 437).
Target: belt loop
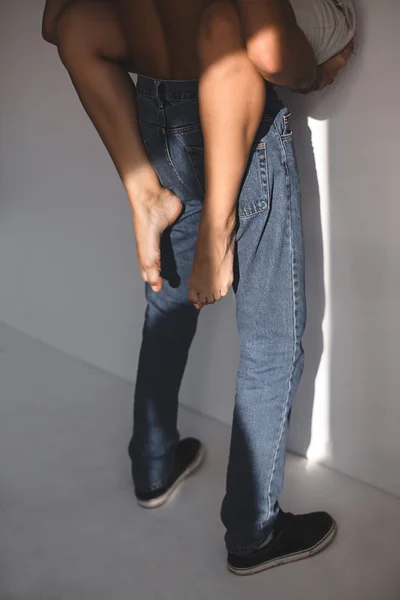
(157, 84)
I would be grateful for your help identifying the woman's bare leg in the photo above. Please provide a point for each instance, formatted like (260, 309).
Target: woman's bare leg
(92, 48)
(232, 98)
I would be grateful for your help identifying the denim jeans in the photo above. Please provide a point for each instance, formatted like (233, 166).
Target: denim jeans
(270, 301)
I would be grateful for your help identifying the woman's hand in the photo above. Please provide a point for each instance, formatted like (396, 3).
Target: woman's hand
(331, 68)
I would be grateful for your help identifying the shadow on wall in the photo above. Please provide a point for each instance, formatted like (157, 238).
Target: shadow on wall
(365, 246)
(347, 403)
(320, 107)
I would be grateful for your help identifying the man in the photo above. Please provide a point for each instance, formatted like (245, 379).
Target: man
(249, 125)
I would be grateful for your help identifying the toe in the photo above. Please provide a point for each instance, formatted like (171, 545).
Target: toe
(193, 296)
(202, 298)
(153, 278)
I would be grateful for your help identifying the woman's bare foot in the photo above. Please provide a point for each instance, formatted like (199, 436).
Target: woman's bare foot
(153, 213)
(212, 271)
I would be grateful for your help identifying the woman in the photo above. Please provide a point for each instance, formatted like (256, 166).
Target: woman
(92, 46)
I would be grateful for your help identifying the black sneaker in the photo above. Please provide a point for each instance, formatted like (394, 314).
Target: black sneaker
(294, 537)
(189, 456)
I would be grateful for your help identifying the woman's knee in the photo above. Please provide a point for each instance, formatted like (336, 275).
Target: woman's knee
(221, 27)
(90, 30)
(73, 31)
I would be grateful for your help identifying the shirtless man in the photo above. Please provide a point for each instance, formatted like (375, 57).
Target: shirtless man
(246, 120)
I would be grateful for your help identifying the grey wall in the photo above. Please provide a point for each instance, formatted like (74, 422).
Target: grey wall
(68, 270)
(351, 187)
(365, 257)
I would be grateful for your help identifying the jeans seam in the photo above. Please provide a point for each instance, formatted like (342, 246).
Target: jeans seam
(189, 151)
(185, 130)
(169, 158)
(284, 412)
(247, 550)
(253, 547)
(249, 214)
(263, 178)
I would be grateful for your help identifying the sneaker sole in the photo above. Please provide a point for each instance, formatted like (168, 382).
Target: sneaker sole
(194, 465)
(288, 558)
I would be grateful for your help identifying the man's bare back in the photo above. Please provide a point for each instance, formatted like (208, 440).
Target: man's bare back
(172, 53)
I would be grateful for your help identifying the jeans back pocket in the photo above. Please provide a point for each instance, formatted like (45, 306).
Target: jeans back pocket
(254, 193)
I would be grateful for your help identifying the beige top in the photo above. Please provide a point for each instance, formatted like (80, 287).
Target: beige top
(328, 24)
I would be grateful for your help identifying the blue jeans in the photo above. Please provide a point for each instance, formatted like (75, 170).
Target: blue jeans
(270, 300)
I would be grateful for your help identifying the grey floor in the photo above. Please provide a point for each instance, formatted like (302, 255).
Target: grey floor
(70, 528)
